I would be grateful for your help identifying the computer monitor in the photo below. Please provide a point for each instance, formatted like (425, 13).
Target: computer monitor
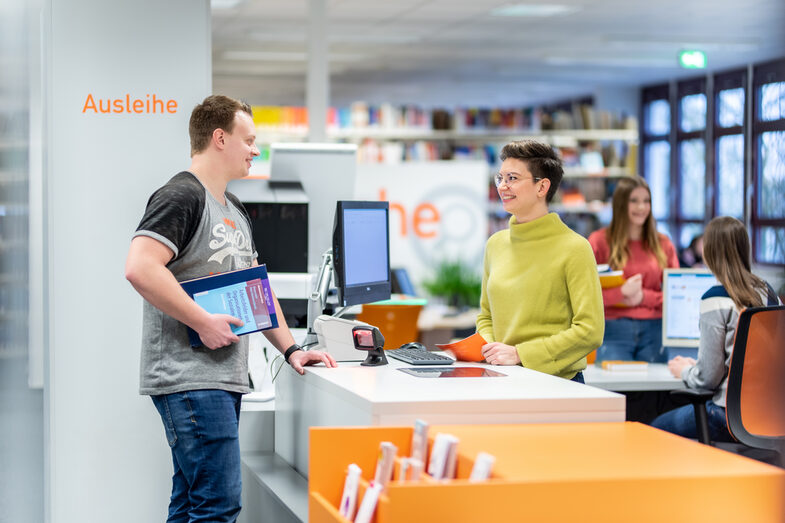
(361, 252)
(682, 290)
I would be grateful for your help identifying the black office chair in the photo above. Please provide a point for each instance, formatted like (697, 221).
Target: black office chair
(755, 403)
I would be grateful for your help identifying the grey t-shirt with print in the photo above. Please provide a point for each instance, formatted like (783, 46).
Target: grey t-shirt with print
(206, 237)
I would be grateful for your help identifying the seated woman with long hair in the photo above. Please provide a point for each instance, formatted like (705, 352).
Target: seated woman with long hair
(726, 251)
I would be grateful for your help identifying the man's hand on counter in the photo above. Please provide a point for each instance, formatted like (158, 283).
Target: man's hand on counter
(301, 358)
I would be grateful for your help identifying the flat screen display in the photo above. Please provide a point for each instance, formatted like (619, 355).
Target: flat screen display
(682, 291)
(361, 252)
(365, 245)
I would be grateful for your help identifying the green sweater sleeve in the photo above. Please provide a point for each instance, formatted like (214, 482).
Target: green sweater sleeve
(484, 321)
(555, 353)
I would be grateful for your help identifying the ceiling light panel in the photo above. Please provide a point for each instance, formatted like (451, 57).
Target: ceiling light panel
(533, 10)
(224, 4)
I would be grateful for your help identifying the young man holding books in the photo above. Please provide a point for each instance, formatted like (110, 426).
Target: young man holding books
(541, 305)
(192, 228)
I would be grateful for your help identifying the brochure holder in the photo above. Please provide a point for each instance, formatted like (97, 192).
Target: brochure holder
(605, 471)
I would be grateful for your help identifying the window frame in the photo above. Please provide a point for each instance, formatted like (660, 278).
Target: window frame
(762, 74)
(648, 95)
(688, 87)
(734, 79)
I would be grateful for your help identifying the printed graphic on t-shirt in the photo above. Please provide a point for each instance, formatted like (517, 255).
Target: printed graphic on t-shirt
(228, 242)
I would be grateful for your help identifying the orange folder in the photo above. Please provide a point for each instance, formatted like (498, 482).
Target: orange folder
(467, 349)
(612, 279)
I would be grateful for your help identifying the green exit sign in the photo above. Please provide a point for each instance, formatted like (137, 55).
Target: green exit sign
(692, 59)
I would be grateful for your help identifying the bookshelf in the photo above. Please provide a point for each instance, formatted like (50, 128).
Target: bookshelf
(594, 156)
(358, 134)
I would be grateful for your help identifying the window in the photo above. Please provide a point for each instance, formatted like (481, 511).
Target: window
(658, 118)
(772, 101)
(730, 106)
(656, 151)
(691, 173)
(689, 231)
(771, 186)
(730, 176)
(719, 153)
(729, 131)
(658, 158)
(768, 130)
(693, 112)
(692, 179)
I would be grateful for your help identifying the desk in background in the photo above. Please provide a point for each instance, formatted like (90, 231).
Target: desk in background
(647, 392)
(403, 319)
(655, 377)
(440, 324)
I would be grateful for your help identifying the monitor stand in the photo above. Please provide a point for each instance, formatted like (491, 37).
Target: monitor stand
(318, 298)
(329, 333)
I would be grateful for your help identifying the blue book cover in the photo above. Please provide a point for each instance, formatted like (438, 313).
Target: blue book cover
(244, 294)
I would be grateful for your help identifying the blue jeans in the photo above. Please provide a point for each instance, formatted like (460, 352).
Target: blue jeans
(579, 378)
(630, 340)
(202, 431)
(681, 421)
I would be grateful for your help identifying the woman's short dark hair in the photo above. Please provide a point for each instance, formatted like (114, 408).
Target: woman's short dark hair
(541, 159)
(215, 112)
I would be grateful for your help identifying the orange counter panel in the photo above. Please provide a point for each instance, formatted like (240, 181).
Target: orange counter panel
(556, 472)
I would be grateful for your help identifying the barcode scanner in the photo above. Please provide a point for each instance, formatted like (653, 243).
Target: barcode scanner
(369, 338)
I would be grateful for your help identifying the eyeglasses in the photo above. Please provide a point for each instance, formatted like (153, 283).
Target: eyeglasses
(509, 180)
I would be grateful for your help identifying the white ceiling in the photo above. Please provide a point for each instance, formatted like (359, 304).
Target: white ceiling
(455, 52)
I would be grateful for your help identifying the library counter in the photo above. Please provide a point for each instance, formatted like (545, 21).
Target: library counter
(352, 395)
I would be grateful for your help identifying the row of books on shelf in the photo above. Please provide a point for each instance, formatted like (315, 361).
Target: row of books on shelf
(358, 116)
(594, 157)
(393, 152)
(441, 466)
(609, 159)
(585, 116)
(361, 116)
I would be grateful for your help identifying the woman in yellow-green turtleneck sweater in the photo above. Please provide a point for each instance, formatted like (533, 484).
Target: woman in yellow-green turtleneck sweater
(541, 302)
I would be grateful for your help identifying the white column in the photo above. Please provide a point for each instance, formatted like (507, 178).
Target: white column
(107, 456)
(317, 94)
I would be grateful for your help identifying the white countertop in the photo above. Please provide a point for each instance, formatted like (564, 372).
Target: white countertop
(386, 389)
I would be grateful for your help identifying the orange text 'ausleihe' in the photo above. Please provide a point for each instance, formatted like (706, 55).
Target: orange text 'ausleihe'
(150, 104)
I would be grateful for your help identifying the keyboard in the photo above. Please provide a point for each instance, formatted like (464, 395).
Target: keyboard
(419, 357)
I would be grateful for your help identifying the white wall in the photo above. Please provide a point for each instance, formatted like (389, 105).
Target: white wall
(438, 212)
(107, 455)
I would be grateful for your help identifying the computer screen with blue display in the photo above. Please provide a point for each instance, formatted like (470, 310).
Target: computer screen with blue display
(361, 252)
(682, 290)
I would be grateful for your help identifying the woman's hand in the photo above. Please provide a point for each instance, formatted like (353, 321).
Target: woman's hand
(632, 290)
(497, 353)
(678, 364)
